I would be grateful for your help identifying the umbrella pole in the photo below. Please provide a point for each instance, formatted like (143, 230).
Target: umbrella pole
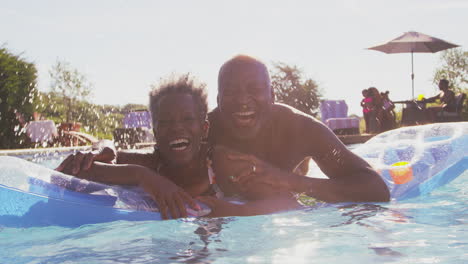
(412, 76)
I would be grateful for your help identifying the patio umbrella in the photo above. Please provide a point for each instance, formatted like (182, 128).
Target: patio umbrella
(414, 42)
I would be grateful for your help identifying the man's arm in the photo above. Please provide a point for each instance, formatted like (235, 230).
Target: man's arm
(351, 179)
(432, 99)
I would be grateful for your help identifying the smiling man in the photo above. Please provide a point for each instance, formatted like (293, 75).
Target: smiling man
(276, 138)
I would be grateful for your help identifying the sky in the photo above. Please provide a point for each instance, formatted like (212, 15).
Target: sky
(123, 46)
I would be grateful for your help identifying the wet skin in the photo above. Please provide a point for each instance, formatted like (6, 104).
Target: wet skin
(276, 138)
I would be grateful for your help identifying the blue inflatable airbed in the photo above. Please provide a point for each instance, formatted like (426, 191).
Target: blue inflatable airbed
(412, 161)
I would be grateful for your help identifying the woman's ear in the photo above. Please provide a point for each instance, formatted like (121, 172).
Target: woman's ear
(206, 128)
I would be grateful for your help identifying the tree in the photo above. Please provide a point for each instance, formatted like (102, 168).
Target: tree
(17, 97)
(134, 107)
(454, 68)
(71, 84)
(291, 88)
(98, 120)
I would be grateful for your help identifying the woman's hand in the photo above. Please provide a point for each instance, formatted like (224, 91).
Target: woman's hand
(170, 197)
(82, 161)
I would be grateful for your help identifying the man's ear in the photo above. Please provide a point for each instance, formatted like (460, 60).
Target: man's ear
(155, 131)
(272, 95)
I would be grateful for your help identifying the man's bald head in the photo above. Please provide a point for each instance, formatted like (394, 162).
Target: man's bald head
(240, 61)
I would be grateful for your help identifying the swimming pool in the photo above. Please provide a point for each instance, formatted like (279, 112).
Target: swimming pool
(425, 229)
(429, 229)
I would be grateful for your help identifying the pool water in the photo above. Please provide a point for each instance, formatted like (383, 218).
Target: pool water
(426, 229)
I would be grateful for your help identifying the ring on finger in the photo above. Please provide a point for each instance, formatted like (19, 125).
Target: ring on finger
(254, 168)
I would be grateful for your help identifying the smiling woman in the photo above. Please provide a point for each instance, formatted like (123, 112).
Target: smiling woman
(179, 111)
(177, 170)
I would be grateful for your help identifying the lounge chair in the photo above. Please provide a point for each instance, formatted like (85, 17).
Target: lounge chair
(445, 116)
(334, 114)
(136, 129)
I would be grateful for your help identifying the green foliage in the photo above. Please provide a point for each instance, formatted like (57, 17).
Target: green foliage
(17, 97)
(71, 84)
(291, 88)
(134, 107)
(65, 102)
(454, 68)
(97, 120)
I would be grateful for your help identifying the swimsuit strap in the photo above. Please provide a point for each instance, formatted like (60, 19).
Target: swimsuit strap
(212, 178)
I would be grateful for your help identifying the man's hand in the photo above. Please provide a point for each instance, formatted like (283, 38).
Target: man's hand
(170, 197)
(259, 172)
(82, 161)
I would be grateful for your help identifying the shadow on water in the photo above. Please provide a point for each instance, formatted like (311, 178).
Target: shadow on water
(358, 213)
(208, 231)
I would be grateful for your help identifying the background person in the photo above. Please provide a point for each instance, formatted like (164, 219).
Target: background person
(366, 104)
(388, 115)
(447, 101)
(376, 114)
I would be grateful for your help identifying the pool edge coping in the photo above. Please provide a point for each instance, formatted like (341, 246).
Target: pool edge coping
(14, 152)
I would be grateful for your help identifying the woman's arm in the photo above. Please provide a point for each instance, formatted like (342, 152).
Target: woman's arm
(169, 197)
(103, 151)
(118, 174)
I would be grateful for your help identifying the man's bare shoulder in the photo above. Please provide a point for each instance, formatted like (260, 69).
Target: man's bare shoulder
(304, 132)
(292, 118)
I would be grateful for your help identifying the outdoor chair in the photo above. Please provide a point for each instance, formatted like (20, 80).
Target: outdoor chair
(136, 129)
(456, 116)
(334, 114)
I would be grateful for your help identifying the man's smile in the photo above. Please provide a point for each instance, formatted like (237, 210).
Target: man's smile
(245, 118)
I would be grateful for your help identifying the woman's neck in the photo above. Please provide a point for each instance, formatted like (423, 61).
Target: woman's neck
(186, 174)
